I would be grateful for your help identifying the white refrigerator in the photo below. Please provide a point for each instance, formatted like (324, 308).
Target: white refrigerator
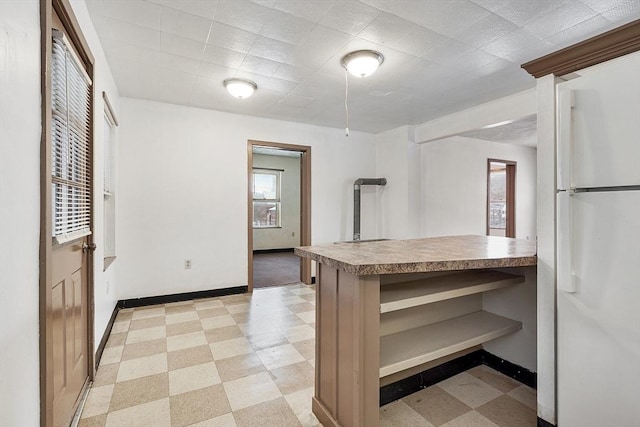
(598, 246)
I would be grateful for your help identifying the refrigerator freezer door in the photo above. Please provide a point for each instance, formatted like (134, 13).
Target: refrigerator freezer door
(599, 324)
(602, 146)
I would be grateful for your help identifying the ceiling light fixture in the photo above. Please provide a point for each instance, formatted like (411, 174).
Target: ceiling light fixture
(240, 88)
(362, 63)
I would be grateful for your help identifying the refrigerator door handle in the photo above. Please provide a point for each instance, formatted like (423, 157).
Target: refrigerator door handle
(566, 278)
(566, 101)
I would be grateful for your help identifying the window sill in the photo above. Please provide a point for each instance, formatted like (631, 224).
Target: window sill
(108, 261)
(265, 227)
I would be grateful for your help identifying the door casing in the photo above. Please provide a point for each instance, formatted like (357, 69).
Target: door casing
(65, 13)
(305, 204)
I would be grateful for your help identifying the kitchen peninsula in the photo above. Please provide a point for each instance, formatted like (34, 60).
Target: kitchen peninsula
(389, 309)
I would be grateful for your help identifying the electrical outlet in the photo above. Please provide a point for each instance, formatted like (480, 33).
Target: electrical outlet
(187, 264)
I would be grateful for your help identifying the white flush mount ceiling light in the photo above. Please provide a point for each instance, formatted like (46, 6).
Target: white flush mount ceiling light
(240, 88)
(362, 63)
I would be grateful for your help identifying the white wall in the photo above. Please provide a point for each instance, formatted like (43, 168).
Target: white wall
(183, 193)
(288, 234)
(105, 283)
(20, 211)
(454, 186)
(398, 160)
(20, 132)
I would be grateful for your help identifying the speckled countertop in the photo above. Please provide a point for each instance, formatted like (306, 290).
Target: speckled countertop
(421, 255)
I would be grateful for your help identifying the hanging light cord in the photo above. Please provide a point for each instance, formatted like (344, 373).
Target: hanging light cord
(346, 99)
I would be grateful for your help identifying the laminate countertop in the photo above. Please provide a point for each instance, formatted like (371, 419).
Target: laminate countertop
(445, 253)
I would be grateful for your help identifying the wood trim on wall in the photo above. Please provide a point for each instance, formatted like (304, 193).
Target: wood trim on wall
(305, 204)
(601, 48)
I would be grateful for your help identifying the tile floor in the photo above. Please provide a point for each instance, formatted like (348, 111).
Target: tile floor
(243, 360)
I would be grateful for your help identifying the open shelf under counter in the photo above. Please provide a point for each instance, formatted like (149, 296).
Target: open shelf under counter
(398, 296)
(420, 345)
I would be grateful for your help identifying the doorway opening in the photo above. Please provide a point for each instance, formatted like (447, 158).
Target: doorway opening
(501, 194)
(278, 212)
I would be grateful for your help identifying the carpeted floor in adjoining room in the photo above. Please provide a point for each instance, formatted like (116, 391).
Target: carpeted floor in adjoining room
(275, 268)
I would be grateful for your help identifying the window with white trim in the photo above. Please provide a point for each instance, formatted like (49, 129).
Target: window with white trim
(266, 198)
(109, 185)
(71, 151)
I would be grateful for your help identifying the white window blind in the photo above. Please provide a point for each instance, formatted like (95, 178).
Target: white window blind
(70, 154)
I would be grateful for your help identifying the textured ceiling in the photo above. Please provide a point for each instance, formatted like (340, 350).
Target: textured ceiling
(441, 56)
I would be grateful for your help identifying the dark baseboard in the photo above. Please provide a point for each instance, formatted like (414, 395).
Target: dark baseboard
(511, 370)
(162, 299)
(424, 379)
(272, 251)
(105, 336)
(543, 423)
(165, 299)
(417, 382)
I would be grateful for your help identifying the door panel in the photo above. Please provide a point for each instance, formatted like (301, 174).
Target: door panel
(70, 342)
(604, 124)
(599, 324)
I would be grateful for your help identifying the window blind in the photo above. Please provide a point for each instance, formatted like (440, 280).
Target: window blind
(70, 153)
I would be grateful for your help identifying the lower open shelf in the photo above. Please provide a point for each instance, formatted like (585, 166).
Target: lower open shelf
(413, 347)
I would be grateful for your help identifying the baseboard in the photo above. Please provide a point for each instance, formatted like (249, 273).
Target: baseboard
(424, 379)
(272, 251)
(165, 299)
(543, 423)
(105, 335)
(417, 382)
(511, 370)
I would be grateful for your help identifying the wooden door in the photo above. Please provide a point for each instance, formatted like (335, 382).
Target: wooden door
(67, 211)
(69, 327)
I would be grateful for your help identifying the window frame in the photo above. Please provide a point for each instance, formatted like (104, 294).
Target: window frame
(277, 200)
(108, 191)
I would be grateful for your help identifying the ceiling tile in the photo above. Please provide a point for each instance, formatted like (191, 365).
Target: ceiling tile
(601, 6)
(519, 46)
(181, 46)
(292, 73)
(488, 29)
(139, 13)
(278, 86)
(202, 8)
(223, 35)
(523, 12)
(311, 10)
(215, 71)
(258, 65)
(443, 17)
(319, 46)
(219, 55)
(585, 29)
(243, 14)
(441, 56)
(418, 41)
(448, 51)
(296, 100)
(284, 27)
(627, 12)
(386, 28)
(129, 33)
(561, 18)
(349, 17)
(273, 50)
(185, 25)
